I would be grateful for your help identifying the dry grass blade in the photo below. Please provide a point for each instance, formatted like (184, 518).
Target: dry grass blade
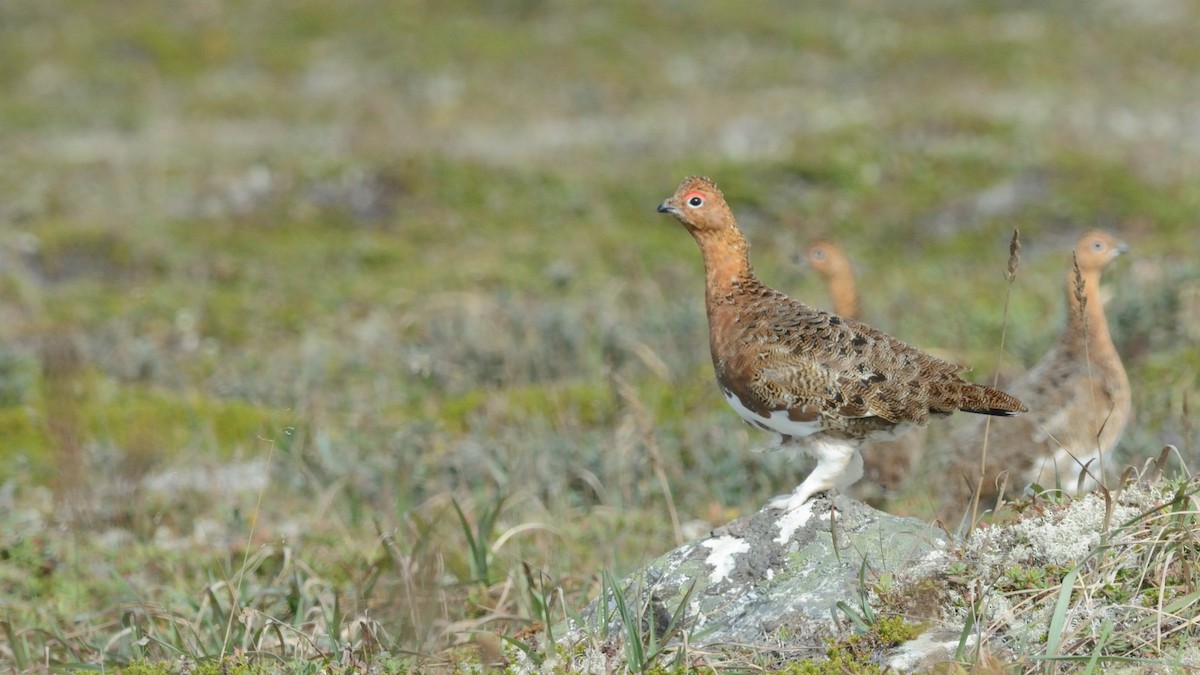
(241, 573)
(1010, 276)
(646, 430)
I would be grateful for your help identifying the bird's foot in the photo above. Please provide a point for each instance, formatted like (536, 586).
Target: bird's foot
(838, 465)
(789, 503)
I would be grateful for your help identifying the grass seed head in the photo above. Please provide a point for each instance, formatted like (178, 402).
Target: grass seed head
(1080, 295)
(1014, 256)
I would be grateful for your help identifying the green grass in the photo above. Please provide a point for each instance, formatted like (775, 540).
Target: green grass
(401, 257)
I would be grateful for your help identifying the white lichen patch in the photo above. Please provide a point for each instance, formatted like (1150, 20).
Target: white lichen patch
(925, 649)
(678, 559)
(1068, 536)
(724, 548)
(793, 520)
(699, 617)
(1061, 536)
(1003, 565)
(579, 651)
(931, 562)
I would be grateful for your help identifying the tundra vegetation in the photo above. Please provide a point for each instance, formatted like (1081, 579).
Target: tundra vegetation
(344, 335)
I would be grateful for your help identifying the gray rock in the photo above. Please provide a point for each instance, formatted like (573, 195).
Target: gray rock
(774, 581)
(770, 588)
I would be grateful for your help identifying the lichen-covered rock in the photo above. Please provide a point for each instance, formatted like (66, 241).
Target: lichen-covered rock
(854, 588)
(774, 580)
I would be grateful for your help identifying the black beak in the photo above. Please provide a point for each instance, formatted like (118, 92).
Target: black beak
(665, 208)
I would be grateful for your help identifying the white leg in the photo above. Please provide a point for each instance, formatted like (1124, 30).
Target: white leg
(839, 465)
(852, 472)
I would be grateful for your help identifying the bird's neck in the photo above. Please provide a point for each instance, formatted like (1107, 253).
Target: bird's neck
(728, 280)
(1088, 325)
(844, 293)
(726, 261)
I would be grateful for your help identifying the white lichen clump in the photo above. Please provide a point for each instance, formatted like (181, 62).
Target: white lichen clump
(579, 651)
(722, 557)
(1050, 542)
(793, 520)
(1068, 536)
(1056, 537)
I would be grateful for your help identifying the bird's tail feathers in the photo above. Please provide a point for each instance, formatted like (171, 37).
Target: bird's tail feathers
(984, 400)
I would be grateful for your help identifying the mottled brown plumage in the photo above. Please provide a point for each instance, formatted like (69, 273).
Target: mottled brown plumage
(1079, 394)
(886, 463)
(826, 381)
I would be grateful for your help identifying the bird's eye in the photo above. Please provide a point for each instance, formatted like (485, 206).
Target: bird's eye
(695, 201)
(818, 255)
(1097, 245)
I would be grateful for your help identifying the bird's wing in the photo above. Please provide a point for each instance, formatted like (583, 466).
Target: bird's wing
(1067, 412)
(844, 367)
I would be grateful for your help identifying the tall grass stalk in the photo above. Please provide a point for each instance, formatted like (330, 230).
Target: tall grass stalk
(646, 430)
(1010, 276)
(241, 574)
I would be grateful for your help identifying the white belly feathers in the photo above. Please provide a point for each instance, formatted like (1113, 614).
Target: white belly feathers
(777, 422)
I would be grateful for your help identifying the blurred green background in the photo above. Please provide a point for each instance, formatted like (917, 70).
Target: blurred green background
(282, 284)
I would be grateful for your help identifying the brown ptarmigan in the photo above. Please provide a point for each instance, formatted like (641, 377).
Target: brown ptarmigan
(826, 382)
(886, 463)
(827, 258)
(1079, 394)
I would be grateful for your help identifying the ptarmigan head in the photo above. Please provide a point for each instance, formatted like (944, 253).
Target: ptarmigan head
(699, 205)
(826, 258)
(1096, 249)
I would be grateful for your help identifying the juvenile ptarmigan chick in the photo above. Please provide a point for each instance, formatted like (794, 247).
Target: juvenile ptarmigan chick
(1079, 394)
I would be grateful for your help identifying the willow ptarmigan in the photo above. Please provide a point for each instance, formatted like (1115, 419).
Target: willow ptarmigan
(825, 382)
(1079, 394)
(886, 463)
(831, 263)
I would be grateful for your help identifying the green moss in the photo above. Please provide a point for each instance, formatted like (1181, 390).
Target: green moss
(141, 667)
(858, 653)
(583, 404)
(894, 630)
(21, 434)
(230, 665)
(179, 50)
(168, 420)
(576, 405)
(455, 411)
(142, 421)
